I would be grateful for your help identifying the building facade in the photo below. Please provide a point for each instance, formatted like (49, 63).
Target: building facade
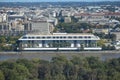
(41, 27)
(59, 41)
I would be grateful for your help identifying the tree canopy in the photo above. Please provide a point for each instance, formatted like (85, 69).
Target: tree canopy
(60, 68)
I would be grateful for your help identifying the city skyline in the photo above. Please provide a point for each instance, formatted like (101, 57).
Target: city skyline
(54, 0)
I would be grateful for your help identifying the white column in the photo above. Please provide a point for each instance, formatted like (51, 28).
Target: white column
(46, 44)
(78, 44)
(72, 44)
(2, 27)
(95, 43)
(40, 44)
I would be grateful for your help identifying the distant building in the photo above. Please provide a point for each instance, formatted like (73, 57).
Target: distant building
(41, 27)
(97, 18)
(27, 26)
(4, 26)
(67, 19)
(66, 13)
(113, 14)
(17, 25)
(117, 35)
(3, 17)
(16, 17)
(106, 31)
(54, 14)
(54, 21)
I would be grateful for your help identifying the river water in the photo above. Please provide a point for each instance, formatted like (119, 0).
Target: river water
(48, 56)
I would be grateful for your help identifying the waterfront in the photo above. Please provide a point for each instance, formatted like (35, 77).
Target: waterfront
(46, 55)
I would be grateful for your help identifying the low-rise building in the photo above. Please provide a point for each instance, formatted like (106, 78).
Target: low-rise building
(59, 41)
(41, 27)
(67, 19)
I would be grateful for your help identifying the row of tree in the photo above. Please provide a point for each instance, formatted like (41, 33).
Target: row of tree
(8, 43)
(60, 68)
(73, 27)
(111, 37)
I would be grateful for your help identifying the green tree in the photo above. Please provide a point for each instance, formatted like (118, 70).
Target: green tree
(101, 74)
(2, 75)
(2, 39)
(22, 71)
(94, 62)
(59, 77)
(44, 72)
(113, 74)
(14, 71)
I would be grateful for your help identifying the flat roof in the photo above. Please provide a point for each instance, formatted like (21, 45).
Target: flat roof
(60, 36)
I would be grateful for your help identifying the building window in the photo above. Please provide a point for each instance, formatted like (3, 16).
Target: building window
(33, 37)
(29, 37)
(64, 37)
(80, 36)
(48, 37)
(43, 37)
(38, 37)
(54, 37)
(75, 37)
(69, 37)
(57, 37)
(24, 37)
(61, 37)
(89, 37)
(85, 37)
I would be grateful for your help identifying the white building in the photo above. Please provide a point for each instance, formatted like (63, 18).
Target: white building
(67, 20)
(59, 41)
(41, 27)
(3, 17)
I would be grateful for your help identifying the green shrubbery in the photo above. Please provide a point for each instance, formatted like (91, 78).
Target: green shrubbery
(60, 68)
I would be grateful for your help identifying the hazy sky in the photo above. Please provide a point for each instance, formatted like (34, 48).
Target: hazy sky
(53, 0)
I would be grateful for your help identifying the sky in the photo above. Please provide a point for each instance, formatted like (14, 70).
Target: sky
(54, 0)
